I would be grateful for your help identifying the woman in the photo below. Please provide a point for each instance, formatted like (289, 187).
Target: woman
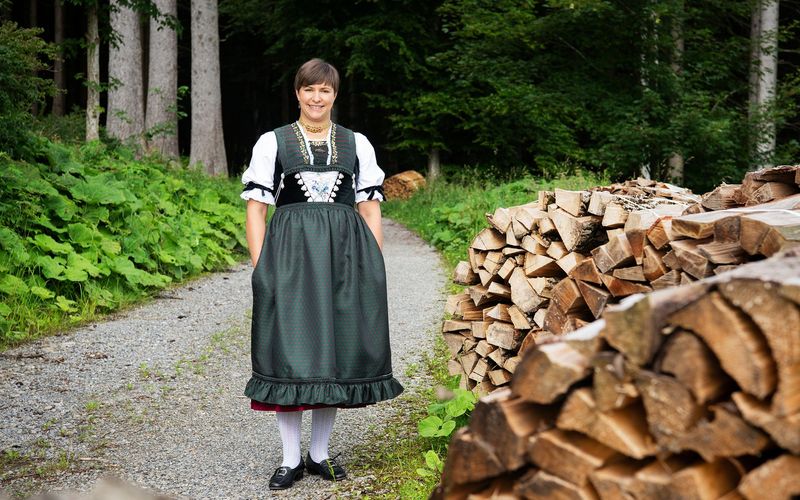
(320, 335)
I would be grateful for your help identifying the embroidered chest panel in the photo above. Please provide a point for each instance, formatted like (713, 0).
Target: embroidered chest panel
(315, 171)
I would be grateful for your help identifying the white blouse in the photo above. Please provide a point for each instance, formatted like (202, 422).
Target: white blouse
(262, 169)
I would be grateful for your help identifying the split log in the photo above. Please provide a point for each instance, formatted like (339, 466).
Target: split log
(572, 202)
(775, 316)
(541, 485)
(488, 239)
(522, 293)
(568, 455)
(776, 479)
(614, 216)
(613, 481)
(726, 435)
(463, 274)
(587, 271)
(624, 430)
(671, 408)
(623, 288)
(548, 371)
(785, 431)
(734, 339)
(594, 297)
(612, 384)
(694, 365)
(577, 233)
(504, 335)
(470, 459)
(721, 197)
(507, 423)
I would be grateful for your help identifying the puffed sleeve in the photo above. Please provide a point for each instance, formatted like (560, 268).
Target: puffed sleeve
(258, 178)
(369, 185)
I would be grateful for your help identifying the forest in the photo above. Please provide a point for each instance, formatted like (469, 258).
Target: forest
(693, 92)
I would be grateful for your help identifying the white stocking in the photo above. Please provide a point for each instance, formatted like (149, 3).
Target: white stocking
(321, 427)
(289, 427)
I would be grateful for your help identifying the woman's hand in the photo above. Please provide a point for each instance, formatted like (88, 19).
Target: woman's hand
(256, 228)
(371, 212)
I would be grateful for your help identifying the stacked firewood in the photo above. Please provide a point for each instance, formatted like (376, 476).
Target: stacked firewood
(686, 392)
(757, 187)
(552, 266)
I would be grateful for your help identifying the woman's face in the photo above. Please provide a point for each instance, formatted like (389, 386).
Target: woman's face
(316, 102)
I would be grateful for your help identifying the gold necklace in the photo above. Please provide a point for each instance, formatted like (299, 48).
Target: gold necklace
(314, 129)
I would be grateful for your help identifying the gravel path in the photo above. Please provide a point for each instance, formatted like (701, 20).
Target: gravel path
(154, 395)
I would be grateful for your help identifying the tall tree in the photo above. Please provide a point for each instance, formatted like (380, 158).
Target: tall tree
(125, 117)
(58, 65)
(207, 141)
(764, 79)
(92, 73)
(676, 162)
(161, 118)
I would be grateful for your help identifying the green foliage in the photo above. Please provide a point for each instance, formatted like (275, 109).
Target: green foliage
(22, 55)
(85, 229)
(442, 421)
(449, 214)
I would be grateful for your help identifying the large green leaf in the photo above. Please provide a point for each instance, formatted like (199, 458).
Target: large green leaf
(48, 244)
(65, 304)
(12, 285)
(83, 235)
(98, 190)
(52, 267)
(62, 206)
(14, 246)
(42, 293)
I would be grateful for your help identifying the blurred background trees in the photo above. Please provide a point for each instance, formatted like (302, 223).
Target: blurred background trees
(697, 92)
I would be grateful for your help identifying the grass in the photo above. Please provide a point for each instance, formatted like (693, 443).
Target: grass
(391, 457)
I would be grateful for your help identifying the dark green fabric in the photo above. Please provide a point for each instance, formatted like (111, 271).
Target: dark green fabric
(320, 329)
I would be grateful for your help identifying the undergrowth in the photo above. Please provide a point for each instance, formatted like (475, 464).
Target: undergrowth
(87, 229)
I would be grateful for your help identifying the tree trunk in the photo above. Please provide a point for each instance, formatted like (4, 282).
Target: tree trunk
(208, 145)
(33, 14)
(676, 160)
(763, 79)
(161, 119)
(58, 67)
(434, 169)
(92, 75)
(125, 117)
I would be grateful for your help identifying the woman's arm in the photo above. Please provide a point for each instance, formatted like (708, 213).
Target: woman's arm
(371, 212)
(256, 227)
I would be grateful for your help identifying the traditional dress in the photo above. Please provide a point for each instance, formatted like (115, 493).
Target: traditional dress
(320, 329)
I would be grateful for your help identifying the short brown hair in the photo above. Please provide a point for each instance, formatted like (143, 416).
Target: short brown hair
(317, 71)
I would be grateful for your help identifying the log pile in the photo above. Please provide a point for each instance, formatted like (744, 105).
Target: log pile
(757, 187)
(403, 185)
(552, 266)
(689, 392)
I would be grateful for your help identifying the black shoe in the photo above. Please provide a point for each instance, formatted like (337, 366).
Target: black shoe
(284, 477)
(327, 468)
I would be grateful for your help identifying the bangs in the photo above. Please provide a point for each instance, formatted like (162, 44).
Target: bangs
(317, 71)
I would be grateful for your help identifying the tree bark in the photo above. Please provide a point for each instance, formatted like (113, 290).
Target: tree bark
(766, 47)
(434, 168)
(58, 67)
(207, 142)
(33, 17)
(92, 75)
(125, 117)
(161, 119)
(676, 160)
